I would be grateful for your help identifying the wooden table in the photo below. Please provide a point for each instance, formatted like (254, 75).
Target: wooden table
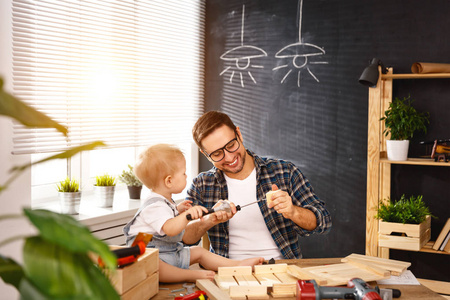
(408, 291)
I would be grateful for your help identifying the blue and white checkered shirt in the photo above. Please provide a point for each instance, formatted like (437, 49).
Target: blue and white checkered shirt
(209, 187)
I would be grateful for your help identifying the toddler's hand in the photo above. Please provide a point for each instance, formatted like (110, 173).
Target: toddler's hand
(184, 205)
(196, 212)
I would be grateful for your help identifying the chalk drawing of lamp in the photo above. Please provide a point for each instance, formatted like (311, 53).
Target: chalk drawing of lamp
(242, 56)
(299, 54)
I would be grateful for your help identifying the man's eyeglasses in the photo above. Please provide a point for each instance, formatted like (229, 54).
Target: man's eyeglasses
(219, 154)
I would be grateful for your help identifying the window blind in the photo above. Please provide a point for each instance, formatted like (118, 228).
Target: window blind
(128, 73)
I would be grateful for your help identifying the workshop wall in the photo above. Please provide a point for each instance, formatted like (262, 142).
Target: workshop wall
(311, 109)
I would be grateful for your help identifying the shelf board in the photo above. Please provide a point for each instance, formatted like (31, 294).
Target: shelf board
(429, 249)
(414, 76)
(416, 161)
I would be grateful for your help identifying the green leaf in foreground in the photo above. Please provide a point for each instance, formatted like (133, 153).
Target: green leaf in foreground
(10, 271)
(12, 107)
(63, 274)
(67, 232)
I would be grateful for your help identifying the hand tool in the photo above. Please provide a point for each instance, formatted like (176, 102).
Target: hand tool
(224, 206)
(200, 295)
(128, 255)
(356, 289)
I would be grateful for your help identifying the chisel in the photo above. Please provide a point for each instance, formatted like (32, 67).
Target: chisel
(225, 206)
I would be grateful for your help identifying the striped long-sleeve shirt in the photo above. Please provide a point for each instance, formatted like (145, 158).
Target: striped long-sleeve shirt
(209, 187)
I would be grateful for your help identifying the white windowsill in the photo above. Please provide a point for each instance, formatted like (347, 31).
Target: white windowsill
(90, 215)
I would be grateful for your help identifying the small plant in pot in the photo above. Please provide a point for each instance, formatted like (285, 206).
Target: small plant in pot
(404, 223)
(133, 183)
(69, 196)
(401, 121)
(104, 188)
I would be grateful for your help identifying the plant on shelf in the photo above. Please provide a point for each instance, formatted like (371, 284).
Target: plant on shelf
(401, 121)
(404, 224)
(104, 188)
(105, 180)
(56, 259)
(69, 196)
(133, 183)
(406, 211)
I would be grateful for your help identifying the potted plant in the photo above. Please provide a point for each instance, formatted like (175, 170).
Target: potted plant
(133, 183)
(401, 121)
(404, 224)
(69, 196)
(104, 188)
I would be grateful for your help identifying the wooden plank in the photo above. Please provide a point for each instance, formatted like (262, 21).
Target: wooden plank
(267, 279)
(370, 268)
(224, 282)
(212, 290)
(275, 268)
(230, 271)
(251, 292)
(388, 264)
(249, 280)
(286, 278)
(303, 273)
(440, 287)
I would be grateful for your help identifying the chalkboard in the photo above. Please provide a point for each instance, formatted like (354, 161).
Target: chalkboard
(287, 74)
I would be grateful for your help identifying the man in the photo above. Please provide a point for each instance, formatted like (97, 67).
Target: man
(270, 230)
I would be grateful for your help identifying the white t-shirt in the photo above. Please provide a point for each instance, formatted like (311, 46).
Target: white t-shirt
(152, 218)
(249, 236)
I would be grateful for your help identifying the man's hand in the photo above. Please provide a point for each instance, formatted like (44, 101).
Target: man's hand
(282, 203)
(221, 216)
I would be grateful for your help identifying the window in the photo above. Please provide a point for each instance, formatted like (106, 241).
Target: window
(129, 73)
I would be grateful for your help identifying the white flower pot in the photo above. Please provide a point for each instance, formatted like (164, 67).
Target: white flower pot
(397, 150)
(104, 195)
(70, 202)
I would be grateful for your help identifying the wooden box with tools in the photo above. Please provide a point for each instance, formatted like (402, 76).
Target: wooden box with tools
(139, 280)
(413, 236)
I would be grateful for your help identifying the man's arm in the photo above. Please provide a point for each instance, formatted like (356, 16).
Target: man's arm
(282, 203)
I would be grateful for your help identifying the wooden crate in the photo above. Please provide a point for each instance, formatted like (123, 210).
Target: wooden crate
(139, 280)
(414, 236)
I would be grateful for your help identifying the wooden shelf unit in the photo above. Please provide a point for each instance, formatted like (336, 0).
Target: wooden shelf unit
(378, 167)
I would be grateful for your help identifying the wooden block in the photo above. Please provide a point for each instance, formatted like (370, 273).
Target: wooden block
(230, 271)
(144, 290)
(212, 290)
(276, 268)
(284, 288)
(127, 277)
(251, 292)
(267, 279)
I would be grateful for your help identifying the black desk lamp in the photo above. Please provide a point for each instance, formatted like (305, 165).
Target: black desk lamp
(369, 76)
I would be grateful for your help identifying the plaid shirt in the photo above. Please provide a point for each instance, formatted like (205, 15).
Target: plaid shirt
(209, 187)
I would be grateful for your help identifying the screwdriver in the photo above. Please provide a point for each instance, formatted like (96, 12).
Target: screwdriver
(225, 206)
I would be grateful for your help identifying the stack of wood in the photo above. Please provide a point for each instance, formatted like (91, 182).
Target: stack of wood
(280, 280)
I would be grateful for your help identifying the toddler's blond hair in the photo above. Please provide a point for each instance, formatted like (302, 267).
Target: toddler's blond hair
(156, 163)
